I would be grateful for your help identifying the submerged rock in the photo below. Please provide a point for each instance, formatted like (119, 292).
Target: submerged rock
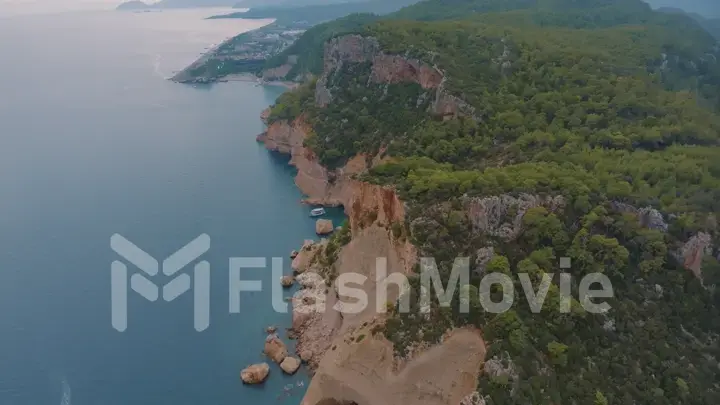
(287, 281)
(255, 374)
(324, 226)
(290, 365)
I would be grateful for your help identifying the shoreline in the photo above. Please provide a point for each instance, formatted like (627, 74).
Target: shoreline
(183, 76)
(177, 76)
(249, 77)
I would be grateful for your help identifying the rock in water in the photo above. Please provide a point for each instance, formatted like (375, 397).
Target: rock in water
(255, 374)
(323, 226)
(275, 348)
(302, 261)
(287, 281)
(290, 365)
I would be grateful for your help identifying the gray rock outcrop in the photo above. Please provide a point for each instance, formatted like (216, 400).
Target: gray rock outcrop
(501, 215)
(648, 216)
(694, 250)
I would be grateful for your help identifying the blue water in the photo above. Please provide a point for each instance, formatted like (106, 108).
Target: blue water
(94, 141)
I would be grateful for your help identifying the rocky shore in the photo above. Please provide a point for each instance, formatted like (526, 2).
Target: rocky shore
(349, 361)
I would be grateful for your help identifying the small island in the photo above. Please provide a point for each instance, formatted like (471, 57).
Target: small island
(172, 4)
(134, 5)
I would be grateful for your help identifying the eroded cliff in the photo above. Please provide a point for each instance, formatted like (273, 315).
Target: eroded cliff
(348, 367)
(386, 69)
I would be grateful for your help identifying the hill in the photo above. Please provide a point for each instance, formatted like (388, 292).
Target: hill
(307, 51)
(314, 14)
(711, 25)
(254, 4)
(706, 8)
(584, 14)
(516, 133)
(134, 5)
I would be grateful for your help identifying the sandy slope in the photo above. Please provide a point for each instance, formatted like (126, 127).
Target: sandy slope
(362, 372)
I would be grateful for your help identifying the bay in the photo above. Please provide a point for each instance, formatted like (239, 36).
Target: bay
(94, 141)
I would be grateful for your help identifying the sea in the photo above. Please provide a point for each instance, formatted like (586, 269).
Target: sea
(94, 142)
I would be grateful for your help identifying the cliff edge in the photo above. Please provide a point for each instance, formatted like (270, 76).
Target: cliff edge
(352, 362)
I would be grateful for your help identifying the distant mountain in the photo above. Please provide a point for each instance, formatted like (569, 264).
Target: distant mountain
(195, 3)
(135, 4)
(577, 13)
(288, 3)
(317, 13)
(706, 8)
(711, 25)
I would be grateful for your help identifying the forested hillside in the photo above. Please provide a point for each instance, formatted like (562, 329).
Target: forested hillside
(309, 47)
(697, 32)
(592, 127)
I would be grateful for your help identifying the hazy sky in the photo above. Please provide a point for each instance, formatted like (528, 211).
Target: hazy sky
(39, 6)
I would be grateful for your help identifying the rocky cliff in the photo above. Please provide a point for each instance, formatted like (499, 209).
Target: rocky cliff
(691, 254)
(351, 362)
(349, 367)
(386, 69)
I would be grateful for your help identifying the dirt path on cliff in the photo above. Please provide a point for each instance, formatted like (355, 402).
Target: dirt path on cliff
(362, 372)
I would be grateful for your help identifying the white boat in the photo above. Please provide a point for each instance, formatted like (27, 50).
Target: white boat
(317, 212)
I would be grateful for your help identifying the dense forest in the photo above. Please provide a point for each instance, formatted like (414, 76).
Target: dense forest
(603, 109)
(555, 13)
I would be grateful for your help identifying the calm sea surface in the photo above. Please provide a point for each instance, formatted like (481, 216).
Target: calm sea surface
(94, 141)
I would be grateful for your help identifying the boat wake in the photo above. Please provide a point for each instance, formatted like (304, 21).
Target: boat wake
(66, 393)
(156, 67)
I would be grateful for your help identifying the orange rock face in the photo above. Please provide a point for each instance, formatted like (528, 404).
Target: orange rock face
(398, 69)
